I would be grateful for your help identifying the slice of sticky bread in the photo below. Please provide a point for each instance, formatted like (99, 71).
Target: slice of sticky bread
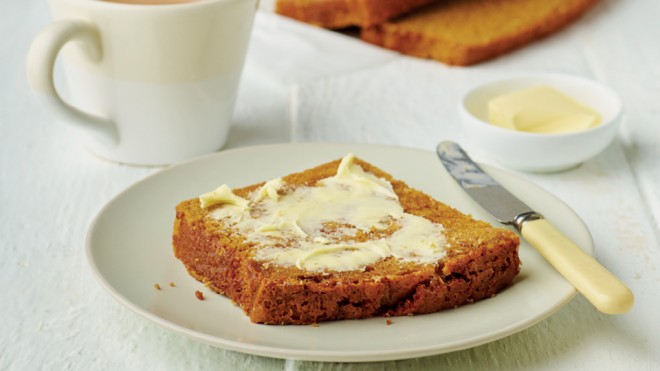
(477, 260)
(337, 14)
(464, 32)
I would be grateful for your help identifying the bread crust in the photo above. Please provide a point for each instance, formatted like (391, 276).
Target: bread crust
(481, 261)
(465, 32)
(337, 14)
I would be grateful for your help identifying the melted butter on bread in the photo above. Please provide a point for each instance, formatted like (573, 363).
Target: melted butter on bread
(343, 223)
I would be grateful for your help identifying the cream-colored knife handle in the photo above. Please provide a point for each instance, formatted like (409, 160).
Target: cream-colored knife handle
(595, 282)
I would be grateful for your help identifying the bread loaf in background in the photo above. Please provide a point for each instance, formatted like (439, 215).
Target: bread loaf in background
(465, 32)
(335, 14)
(455, 32)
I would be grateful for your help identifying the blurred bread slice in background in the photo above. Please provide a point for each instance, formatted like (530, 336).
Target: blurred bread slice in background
(456, 32)
(465, 32)
(336, 14)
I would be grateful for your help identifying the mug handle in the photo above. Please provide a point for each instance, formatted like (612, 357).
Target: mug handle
(41, 61)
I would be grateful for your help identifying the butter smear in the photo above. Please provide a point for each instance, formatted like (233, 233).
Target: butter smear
(543, 110)
(318, 228)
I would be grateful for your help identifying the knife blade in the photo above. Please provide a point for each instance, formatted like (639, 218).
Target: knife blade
(605, 291)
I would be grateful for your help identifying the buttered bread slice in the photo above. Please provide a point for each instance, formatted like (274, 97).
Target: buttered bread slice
(343, 240)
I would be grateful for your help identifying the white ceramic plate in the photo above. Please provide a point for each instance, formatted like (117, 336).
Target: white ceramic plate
(129, 250)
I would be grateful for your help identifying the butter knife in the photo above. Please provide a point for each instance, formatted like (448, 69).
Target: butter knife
(606, 292)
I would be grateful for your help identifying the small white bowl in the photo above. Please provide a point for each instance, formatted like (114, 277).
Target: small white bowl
(540, 152)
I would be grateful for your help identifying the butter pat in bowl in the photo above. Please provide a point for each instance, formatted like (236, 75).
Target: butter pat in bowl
(541, 122)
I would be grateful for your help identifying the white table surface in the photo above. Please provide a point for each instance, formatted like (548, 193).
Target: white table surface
(328, 87)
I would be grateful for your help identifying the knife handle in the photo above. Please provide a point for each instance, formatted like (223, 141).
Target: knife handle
(595, 282)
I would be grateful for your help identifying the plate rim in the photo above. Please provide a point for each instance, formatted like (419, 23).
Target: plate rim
(304, 354)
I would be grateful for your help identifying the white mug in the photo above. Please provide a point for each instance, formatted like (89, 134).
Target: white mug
(150, 84)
